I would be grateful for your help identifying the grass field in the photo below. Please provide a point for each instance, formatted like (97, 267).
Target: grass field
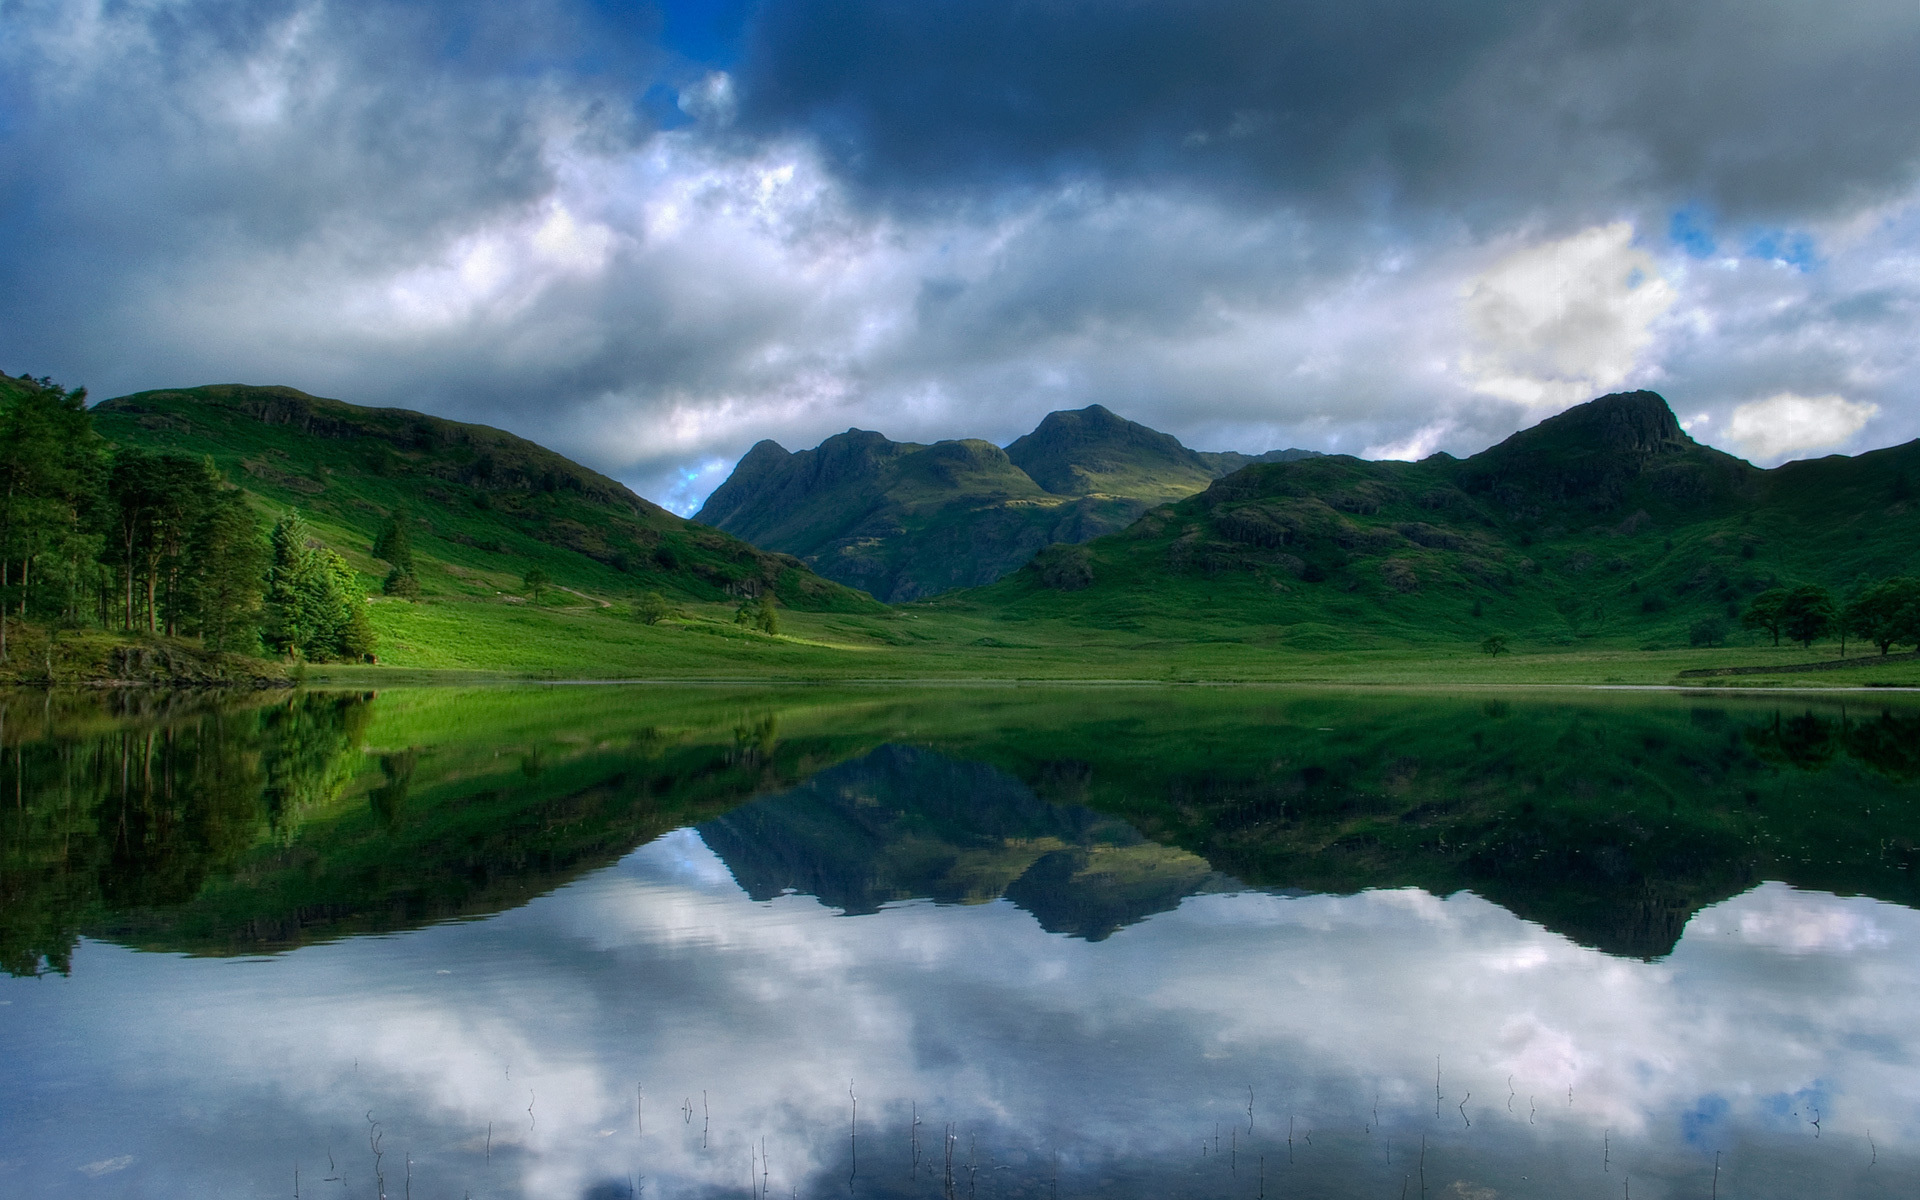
(452, 640)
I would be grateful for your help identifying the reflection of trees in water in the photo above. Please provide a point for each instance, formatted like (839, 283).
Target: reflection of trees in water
(142, 812)
(1887, 742)
(132, 813)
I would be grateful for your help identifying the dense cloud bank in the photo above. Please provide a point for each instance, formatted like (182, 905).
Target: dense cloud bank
(1384, 227)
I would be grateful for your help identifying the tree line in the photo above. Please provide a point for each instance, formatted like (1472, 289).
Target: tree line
(124, 539)
(1885, 614)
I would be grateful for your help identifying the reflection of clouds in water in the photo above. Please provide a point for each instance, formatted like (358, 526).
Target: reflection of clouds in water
(661, 973)
(1793, 922)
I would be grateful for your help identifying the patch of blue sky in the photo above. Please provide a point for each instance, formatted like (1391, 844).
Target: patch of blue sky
(1694, 231)
(1699, 1123)
(1791, 247)
(1793, 1110)
(685, 494)
(660, 104)
(711, 32)
(1691, 229)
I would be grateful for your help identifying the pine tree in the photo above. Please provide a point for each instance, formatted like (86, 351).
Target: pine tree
(230, 581)
(393, 545)
(291, 622)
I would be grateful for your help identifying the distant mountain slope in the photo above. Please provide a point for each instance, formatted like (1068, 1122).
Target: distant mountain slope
(482, 505)
(904, 521)
(1604, 521)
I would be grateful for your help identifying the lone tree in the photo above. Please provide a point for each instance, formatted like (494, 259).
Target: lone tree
(1766, 611)
(392, 544)
(652, 608)
(1494, 646)
(757, 612)
(535, 581)
(1807, 614)
(1709, 631)
(1886, 614)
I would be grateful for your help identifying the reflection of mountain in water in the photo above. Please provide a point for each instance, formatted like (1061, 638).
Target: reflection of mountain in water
(904, 823)
(242, 825)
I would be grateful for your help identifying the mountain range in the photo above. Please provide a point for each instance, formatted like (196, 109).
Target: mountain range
(904, 521)
(1605, 520)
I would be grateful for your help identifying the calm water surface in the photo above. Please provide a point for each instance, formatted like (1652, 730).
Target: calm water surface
(602, 942)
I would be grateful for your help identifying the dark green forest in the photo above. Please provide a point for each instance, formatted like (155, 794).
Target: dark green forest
(93, 536)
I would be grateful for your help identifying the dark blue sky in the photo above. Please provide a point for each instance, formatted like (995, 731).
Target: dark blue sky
(650, 235)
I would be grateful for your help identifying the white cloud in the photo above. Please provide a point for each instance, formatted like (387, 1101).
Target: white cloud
(711, 100)
(1415, 446)
(1563, 321)
(1786, 423)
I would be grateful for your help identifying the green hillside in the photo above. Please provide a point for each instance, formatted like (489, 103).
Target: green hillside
(905, 521)
(1606, 523)
(482, 506)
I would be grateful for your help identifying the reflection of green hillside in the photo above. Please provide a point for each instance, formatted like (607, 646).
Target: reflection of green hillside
(1612, 821)
(225, 827)
(904, 823)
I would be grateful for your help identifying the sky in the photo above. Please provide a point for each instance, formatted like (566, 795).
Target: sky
(651, 235)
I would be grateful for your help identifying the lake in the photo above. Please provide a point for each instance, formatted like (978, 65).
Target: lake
(719, 941)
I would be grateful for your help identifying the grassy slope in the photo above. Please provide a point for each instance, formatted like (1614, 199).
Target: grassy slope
(484, 505)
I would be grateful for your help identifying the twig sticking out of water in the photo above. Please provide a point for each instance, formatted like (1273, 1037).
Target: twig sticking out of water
(1463, 1110)
(333, 1172)
(947, 1177)
(532, 1123)
(639, 1111)
(1437, 1097)
(489, 1141)
(1510, 1093)
(706, 1119)
(1716, 1175)
(1289, 1139)
(913, 1140)
(853, 1135)
(1423, 1167)
(1874, 1148)
(1530, 1110)
(296, 1181)
(1263, 1177)
(374, 1137)
(1233, 1151)
(1606, 1150)
(1249, 1110)
(1816, 1124)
